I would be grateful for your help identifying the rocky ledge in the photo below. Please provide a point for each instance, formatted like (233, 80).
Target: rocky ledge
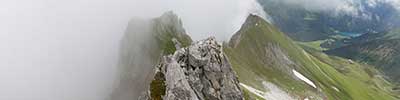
(198, 72)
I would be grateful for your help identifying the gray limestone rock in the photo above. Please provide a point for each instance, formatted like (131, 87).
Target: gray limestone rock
(199, 72)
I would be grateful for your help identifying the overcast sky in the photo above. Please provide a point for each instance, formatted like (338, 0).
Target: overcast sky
(67, 49)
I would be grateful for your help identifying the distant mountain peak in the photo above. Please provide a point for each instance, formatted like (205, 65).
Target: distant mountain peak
(251, 21)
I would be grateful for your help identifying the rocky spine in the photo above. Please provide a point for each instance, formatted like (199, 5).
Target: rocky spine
(198, 72)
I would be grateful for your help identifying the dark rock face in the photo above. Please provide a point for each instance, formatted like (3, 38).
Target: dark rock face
(199, 72)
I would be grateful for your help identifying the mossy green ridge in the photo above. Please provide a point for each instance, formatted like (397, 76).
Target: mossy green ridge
(167, 27)
(335, 77)
(144, 42)
(157, 86)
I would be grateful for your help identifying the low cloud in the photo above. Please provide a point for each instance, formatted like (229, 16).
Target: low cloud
(68, 49)
(321, 5)
(219, 18)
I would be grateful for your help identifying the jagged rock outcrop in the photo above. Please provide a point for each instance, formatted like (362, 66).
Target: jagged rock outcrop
(198, 72)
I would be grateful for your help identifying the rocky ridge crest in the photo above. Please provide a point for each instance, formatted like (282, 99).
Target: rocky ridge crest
(198, 72)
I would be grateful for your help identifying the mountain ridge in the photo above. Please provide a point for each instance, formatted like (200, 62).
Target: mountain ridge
(266, 61)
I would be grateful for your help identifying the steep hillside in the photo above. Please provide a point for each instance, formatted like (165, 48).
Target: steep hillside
(379, 49)
(384, 54)
(141, 48)
(267, 61)
(393, 34)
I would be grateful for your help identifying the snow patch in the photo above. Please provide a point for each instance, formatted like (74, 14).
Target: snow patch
(273, 93)
(303, 78)
(336, 89)
(254, 91)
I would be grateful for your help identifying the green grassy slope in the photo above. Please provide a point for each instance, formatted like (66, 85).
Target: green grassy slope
(314, 44)
(250, 52)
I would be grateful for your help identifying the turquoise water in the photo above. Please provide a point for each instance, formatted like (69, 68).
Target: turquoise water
(350, 34)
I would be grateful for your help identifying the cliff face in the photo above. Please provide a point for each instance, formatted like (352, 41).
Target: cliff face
(198, 72)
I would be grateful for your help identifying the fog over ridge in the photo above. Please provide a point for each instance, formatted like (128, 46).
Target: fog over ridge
(68, 49)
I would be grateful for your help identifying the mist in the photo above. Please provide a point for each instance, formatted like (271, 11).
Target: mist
(322, 5)
(68, 49)
(219, 18)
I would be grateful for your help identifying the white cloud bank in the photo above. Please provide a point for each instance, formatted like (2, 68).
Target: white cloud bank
(68, 49)
(219, 18)
(334, 6)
